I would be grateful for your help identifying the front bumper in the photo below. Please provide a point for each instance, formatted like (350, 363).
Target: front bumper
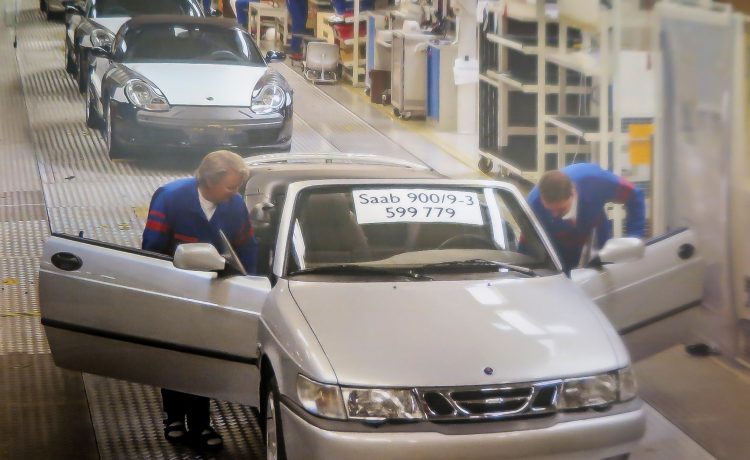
(202, 128)
(596, 438)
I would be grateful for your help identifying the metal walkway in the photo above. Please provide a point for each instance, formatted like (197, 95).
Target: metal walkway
(55, 175)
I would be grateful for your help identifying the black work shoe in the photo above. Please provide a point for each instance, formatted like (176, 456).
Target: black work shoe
(206, 439)
(174, 431)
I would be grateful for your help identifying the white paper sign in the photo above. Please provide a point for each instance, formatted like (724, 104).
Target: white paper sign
(416, 205)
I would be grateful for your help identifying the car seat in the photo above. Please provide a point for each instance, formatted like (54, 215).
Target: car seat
(337, 237)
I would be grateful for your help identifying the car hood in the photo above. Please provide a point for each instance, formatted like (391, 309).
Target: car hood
(438, 333)
(203, 84)
(113, 23)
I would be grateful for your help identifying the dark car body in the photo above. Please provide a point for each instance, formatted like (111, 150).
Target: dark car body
(83, 17)
(199, 116)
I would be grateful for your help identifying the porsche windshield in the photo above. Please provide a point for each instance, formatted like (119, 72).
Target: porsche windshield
(189, 43)
(416, 229)
(116, 8)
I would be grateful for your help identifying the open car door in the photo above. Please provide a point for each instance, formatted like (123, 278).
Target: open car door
(132, 315)
(667, 280)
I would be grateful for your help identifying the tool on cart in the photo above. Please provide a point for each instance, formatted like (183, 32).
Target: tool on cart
(321, 62)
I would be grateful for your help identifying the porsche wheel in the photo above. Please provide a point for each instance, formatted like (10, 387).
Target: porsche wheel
(93, 119)
(115, 149)
(83, 72)
(70, 64)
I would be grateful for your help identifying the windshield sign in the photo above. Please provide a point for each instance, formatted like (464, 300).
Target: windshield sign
(416, 205)
(417, 232)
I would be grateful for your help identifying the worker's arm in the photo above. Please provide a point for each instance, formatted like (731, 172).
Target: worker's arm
(622, 191)
(157, 236)
(243, 241)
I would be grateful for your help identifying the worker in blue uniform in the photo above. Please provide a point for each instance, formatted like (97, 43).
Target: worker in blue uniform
(298, 13)
(194, 210)
(570, 202)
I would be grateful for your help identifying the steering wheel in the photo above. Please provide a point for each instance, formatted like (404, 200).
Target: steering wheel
(224, 55)
(454, 241)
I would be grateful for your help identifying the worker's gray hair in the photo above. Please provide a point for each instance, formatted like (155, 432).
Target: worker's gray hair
(555, 186)
(216, 165)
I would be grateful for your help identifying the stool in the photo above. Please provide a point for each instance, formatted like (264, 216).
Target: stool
(279, 16)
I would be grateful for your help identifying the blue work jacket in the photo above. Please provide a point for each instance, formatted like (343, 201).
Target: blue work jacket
(175, 216)
(594, 188)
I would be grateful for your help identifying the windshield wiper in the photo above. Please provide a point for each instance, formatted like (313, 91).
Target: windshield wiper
(347, 269)
(483, 263)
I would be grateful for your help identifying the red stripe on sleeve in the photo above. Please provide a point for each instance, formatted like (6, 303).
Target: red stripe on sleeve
(157, 226)
(158, 214)
(185, 238)
(623, 191)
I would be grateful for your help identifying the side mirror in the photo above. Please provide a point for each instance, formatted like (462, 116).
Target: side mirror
(619, 250)
(201, 257)
(273, 56)
(101, 52)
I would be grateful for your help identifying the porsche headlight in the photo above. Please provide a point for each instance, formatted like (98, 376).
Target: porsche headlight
(145, 96)
(102, 38)
(596, 391)
(320, 399)
(381, 404)
(268, 99)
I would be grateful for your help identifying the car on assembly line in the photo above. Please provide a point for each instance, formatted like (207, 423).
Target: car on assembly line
(181, 83)
(394, 314)
(51, 8)
(93, 23)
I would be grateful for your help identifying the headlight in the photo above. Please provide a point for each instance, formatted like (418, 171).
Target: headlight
(320, 399)
(381, 404)
(145, 96)
(102, 38)
(269, 98)
(599, 390)
(628, 384)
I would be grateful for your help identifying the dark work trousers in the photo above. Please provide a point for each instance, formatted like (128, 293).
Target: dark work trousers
(177, 405)
(298, 12)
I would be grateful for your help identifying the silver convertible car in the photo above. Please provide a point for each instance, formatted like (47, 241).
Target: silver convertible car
(176, 83)
(395, 314)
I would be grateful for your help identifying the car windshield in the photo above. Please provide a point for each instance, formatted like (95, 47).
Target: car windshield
(424, 230)
(116, 8)
(189, 43)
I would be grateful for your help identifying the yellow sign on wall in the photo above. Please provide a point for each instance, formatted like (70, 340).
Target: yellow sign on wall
(639, 143)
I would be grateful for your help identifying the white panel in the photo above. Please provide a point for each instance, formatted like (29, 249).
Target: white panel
(581, 10)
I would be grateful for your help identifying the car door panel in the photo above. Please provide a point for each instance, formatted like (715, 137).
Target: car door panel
(668, 279)
(123, 307)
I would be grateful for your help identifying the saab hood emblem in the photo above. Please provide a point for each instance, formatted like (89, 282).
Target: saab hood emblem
(488, 370)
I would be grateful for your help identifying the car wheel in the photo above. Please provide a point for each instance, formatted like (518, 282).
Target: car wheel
(83, 72)
(115, 150)
(271, 421)
(93, 120)
(70, 64)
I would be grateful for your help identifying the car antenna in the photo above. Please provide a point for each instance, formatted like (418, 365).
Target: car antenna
(15, 27)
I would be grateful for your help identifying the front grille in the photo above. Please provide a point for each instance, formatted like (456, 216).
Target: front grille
(490, 403)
